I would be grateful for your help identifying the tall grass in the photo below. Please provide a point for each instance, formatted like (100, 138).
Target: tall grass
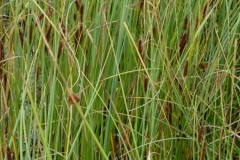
(120, 79)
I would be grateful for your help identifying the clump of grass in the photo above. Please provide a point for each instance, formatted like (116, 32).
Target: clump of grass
(119, 79)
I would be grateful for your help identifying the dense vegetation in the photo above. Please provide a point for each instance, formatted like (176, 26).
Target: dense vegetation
(119, 79)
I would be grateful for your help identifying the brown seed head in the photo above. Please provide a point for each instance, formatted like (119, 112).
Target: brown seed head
(200, 133)
(72, 98)
(185, 71)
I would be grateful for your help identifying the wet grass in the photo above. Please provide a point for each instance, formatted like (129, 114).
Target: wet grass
(120, 79)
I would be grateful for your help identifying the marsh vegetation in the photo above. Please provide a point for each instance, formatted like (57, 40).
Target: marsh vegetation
(119, 79)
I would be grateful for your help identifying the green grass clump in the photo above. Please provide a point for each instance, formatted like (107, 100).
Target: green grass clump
(119, 79)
